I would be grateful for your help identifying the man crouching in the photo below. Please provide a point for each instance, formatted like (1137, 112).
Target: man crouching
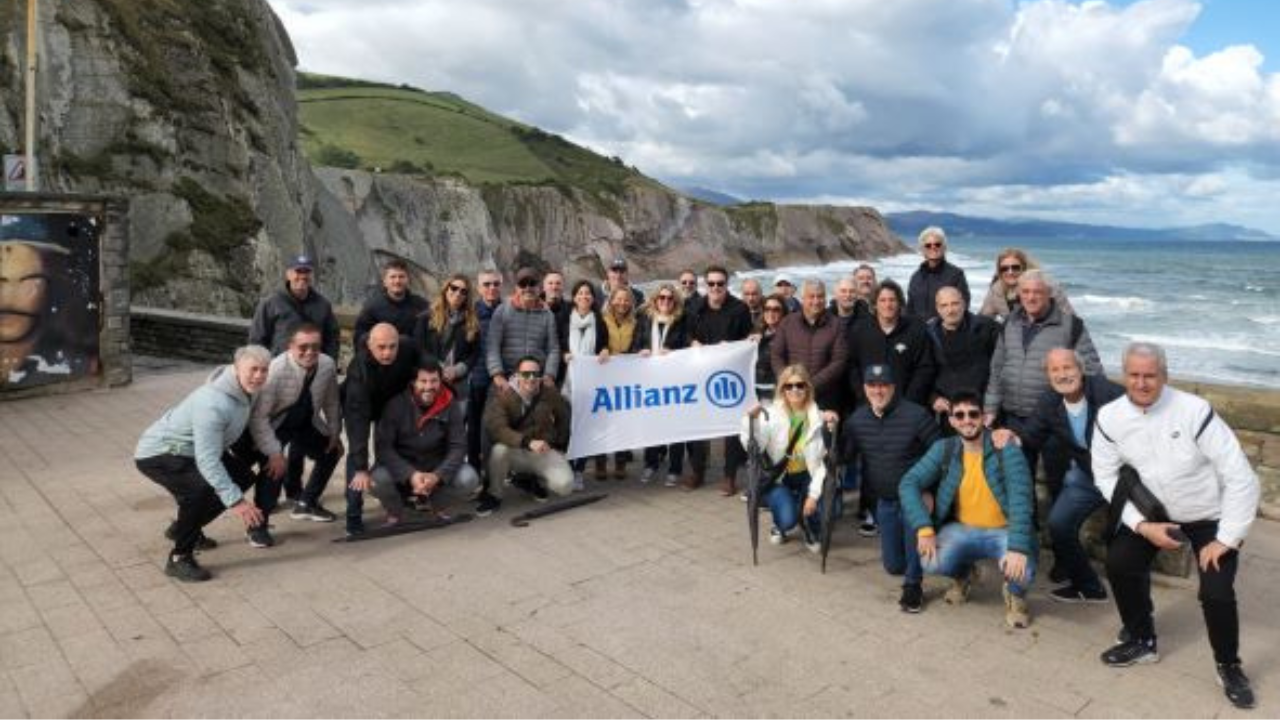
(983, 507)
(421, 442)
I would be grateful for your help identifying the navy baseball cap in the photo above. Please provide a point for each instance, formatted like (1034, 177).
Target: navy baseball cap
(877, 375)
(301, 262)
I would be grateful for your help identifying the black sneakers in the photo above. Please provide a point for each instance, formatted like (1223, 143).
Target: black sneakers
(1131, 652)
(530, 484)
(912, 600)
(259, 536)
(1058, 575)
(203, 542)
(1070, 593)
(186, 569)
(1235, 685)
(488, 505)
(314, 513)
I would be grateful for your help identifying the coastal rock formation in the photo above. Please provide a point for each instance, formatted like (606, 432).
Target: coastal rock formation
(189, 111)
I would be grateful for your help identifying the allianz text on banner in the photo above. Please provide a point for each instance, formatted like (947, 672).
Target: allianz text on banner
(634, 402)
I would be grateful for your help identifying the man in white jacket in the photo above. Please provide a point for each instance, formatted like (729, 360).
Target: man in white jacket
(1193, 465)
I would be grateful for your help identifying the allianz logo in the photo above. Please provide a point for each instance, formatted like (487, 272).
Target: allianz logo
(723, 389)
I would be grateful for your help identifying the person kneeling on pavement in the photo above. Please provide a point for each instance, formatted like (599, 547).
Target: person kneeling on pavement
(187, 453)
(529, 426)
(983, 509)
(299, 407)
(421, 442)
(790, 436)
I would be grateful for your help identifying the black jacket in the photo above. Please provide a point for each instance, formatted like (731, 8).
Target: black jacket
(925, 284)
(437, 344)
(278, 314)
(1050, 420)
(710, 326)
(367, 389)
(380, 308)
(906, 349)
(408, 442)
(677, 336)
(887, 446)
(963, 355)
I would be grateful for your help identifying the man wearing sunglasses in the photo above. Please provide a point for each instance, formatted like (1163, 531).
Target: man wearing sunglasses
(933, 274)
(522, 327)
(886, 436)
(298, 407)
(721, 317)
(982, 508)
(529, 425)
(689, 288)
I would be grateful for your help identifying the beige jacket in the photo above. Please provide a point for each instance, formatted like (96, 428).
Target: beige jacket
(282, 390)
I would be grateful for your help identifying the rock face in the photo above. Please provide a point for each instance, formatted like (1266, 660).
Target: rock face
(188, 110)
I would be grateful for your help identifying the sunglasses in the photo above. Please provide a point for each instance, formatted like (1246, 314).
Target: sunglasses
(717, 283)
(1010, 268)
(967, 414)
(527, 283)
(932, 245)
(528, 374)
(458, 289)
(772, 308)
(667, 298)
(689, 283)
(795, 387)
(491, 283)
(308, 347)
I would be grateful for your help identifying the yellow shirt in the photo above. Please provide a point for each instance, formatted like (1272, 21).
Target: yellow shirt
(795, 461)
(976, 506)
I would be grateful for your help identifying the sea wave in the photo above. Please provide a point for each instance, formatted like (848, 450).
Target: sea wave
(1265, 319)
(1203, 342)
(1122, 302)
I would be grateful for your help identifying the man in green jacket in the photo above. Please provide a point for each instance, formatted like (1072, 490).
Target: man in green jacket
(983, 509)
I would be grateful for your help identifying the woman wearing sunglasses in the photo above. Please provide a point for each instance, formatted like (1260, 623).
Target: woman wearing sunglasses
(1002, 296)
(661, 329)
(771, 315)
(623, 338)
(450, 331)
(789, 433)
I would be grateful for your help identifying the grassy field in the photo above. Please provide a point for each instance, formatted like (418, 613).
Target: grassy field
(402, 129)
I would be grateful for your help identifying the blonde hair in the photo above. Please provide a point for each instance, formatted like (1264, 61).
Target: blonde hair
(650, 306)
(794, 373)
(440, 308)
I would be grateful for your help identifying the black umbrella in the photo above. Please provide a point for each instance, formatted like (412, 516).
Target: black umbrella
(753, 490)
(829, 485)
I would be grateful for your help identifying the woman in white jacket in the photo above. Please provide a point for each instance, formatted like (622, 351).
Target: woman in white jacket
(790, 429)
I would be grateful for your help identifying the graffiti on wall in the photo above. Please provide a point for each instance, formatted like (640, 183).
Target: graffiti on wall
(49, 298)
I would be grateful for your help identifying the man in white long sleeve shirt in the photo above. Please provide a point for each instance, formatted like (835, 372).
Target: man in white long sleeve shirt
(1192, 463)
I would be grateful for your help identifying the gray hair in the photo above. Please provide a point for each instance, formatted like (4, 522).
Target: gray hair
(1147, 350)
(1036, 276)
(1075, 355)
(253, 352)
(932, 231)
(813, 284)
(864, 266)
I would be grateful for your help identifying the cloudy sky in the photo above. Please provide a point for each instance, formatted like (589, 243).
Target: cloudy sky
(1151, 113)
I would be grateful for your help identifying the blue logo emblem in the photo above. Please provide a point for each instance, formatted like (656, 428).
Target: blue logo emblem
(726, 389)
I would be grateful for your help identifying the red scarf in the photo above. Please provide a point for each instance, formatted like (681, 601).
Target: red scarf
(443, 398)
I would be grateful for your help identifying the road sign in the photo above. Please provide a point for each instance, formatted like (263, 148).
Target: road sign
(15, 173)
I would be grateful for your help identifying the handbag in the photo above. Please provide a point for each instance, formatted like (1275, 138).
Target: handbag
(772, 471)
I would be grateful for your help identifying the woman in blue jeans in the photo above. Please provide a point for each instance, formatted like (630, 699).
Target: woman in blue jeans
(789, 433)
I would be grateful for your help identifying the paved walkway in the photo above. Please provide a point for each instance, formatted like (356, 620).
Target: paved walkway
(642, 605)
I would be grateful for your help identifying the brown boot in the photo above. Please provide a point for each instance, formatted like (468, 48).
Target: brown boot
(726, 486)
(602, 468)
(692, 482)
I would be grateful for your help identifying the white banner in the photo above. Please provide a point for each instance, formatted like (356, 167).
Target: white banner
(634, 402)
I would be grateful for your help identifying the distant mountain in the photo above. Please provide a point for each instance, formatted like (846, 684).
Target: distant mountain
(909, 224)
(714, 197)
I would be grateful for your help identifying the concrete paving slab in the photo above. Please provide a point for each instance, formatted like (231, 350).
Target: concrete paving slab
(642, 605)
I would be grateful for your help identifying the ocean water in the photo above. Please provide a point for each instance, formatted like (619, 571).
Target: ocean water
(1213, 306)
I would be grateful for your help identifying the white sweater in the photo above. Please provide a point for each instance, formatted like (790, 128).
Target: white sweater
(1204, 478)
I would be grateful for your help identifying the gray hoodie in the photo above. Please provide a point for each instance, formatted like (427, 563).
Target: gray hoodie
(203, 426)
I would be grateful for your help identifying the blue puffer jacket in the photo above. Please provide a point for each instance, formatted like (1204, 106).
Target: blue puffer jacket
(203, 426)
(1012, 488)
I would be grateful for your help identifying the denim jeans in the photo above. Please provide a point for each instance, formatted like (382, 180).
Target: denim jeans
(1078, 500)
(897, 543)
(960, 546)
(786, 503)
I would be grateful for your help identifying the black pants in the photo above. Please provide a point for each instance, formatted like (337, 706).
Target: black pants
(302, 443)
(734, 456)
(198, 504)
(1129, 558)
(475, 423)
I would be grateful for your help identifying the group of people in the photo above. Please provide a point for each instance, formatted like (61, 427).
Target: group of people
(938, 416)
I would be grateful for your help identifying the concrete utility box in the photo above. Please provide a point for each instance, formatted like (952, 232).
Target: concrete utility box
(64, 294)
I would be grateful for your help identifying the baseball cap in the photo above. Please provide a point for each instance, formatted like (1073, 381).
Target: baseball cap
(619, 263)
(877, 375)
(527, 273)
(301, 262)
(783, 279)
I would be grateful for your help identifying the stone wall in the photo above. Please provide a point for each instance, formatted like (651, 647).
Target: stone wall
(176, 334)
(114, 359)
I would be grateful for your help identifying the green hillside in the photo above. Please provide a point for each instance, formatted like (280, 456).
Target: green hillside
(353, 123)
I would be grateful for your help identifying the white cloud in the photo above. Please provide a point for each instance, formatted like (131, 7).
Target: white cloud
(1045, 105)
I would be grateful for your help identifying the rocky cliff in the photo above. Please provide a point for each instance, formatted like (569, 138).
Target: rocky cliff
(188, 109)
